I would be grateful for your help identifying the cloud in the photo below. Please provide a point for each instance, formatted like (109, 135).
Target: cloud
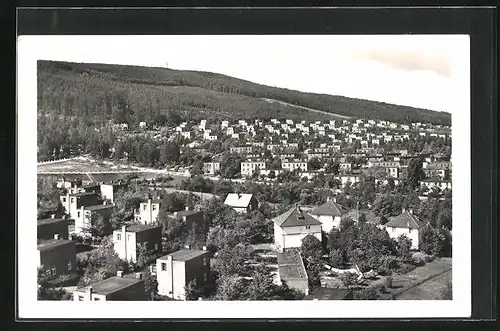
(407, 60)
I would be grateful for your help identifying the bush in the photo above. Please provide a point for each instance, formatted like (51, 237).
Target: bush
(368, 293)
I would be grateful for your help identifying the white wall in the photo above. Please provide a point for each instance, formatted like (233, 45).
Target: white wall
(328, 222)
(396, 232)
(289, 237)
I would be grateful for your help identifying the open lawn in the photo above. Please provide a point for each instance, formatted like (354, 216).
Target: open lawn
(423, 283)
(83, 165)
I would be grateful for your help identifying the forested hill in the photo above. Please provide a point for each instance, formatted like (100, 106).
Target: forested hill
(132, 93)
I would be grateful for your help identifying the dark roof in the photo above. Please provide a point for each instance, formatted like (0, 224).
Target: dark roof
(184, 254)
(370, 216)
(405, 220)
(290, 265)
(295, 217)
(330, 208)
(141, 227)
(326, 293)
(111, 285)
(51, 220)
(52, 243)
(98, 207)
(80, 194)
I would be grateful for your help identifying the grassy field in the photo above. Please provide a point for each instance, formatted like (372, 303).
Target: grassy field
(423, 283)
(83, 165)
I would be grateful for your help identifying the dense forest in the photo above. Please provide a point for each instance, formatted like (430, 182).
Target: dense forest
(129, 94)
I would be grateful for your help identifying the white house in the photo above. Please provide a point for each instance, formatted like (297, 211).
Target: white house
(329, 214)
(242, 203)
(148, 211)
(408, 224)
(291, 227)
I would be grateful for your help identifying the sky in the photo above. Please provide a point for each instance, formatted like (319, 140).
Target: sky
(424, 71)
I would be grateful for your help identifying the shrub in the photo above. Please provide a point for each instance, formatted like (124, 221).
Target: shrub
(368, 293)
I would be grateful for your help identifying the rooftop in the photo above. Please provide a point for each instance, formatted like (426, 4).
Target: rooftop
(111, 285)
(98, 207)
(141, 227)
(405, 220)
(238, 199)
(51, 220)
(330, 208)
(295, 217)
(53, 243)
(187, 212)
(184, 254)
(290, 265)
(81, 194)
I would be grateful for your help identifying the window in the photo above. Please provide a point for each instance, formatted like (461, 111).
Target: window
(409, 230)
(129, 237)
(163, 267)
(78, 214)
(64, 199)
(72, 200)
(53, 271)
(80, 298)
(97, 299)
(144, 207)
(154, 207)
(47, 272)
(118, 236)
(205, 277)
(69, 266)
(308, 227)
(205, 261)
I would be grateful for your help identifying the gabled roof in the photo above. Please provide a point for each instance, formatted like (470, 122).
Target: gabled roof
(238, 200)
(405, 220)
(295, 217)
(330, 208)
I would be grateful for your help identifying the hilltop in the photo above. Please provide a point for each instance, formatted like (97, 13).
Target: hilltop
(133, 93)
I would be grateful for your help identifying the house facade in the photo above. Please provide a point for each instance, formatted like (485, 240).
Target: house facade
(174, 271)
(57, 257)
(127, 239)
(50, 227)
(118, 288)
(330, 214)
(148, 211)
(406, 224)
(72, 203)
(86, 214)
(291, 227)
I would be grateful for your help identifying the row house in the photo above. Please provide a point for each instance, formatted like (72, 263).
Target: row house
(241, 149)
(347, 179)
(57, 257)
(52, 228)
(127, 240)
(211, 167)
(294, 164)
(250, 166)
(148, 211)
(118, 288)
(73, 202)
(87, 214)
(383, 164)
(441, 184)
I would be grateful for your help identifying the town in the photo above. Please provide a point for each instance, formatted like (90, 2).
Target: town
(257, 209)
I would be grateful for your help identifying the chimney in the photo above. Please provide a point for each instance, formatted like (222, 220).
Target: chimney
(187, 247)
(138, 275)
(404, 210)
(335, 199)
(204, 248)
(56, 236)
(63, 217)
(119, 273)
(53, 216)
(411, 211)
(239, 195)
(105, 202)
(88, 290)
(327, 199)
(187, 208)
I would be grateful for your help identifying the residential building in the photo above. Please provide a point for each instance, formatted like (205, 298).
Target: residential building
(189, 217)
(292, 272)
(346, 179)
(384, 164)
(72, 203)
(211, 167)
(345, 166)
(441, 184)
(108, 190)
(294, 164)
(330, 214)
(291, 227)
(242, 202)
(57, 257)
(393, 172)
(148, 211)
(174, 271)
(119, 288)
(127, 239)
(408, 224)
(86, 215)
(52, 227)
(250, 166)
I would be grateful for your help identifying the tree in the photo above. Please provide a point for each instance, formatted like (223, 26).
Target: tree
(369, 293)
(311, 248)
(219, 237)
(415, 173)
(314, 164)
(144, 256)
(46, 291)
(169, 153)
(231, 260)
(404, 247)
(336, 258)
(192, 292)
(230, 287)
(150, 285)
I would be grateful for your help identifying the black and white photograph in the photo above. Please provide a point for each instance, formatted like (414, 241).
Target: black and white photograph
(294, 170)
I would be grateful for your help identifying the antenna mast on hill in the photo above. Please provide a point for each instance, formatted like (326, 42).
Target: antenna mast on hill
(166, 64)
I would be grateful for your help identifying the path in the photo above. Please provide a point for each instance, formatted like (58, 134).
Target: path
(398, 295)
(306, 108)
